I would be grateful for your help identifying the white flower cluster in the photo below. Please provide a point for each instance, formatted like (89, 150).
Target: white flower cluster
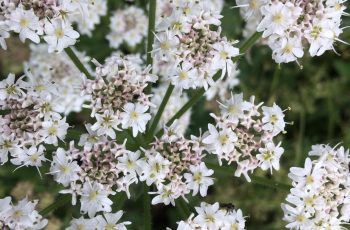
(211, 217)
(116, 96)
(244, 135)
(50, 20)
(320, 197)
(127, 25)
(189, 49)
(165, 7)
(58, 68)
(95, 171)
(174, 165)
(175, 103)
(21, 216)
(289, 25)
(108, 221)
(30, 120)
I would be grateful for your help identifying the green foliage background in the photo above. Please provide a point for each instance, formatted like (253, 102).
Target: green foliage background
(318, 94)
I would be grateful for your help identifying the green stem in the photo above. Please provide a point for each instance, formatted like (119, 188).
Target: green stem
(151, 26)
(61, 200)
(77, 62)
(150, 36)
(183, 208)
(160, 111)
(248, 43)
(147, 208)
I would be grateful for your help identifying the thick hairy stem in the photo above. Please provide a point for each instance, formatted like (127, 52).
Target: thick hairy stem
(77, 62)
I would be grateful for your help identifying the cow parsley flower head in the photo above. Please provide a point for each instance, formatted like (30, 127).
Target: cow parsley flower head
(31, 120)
(46, 68)
(244, 134)
(95, 170)
(320, 196)
(291, 27)
(20, 216)
(128, 26)
(214, 217)
(117, 97)
(52, 20)
(190, 38)
(174, 165)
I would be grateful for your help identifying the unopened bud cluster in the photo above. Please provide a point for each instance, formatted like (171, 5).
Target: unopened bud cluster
(174, 165)
(117, 97)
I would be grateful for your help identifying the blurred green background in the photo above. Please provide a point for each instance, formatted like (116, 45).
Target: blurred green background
(319, 95)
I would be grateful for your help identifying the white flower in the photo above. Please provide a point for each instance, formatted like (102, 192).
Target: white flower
(273, 119)
(130, 162)
(209, 216)
(109, 221)
(307, 176)
(278, 18)
(89, 140)
(59, 35)
(54, 130)
(5, 205)
(270, 156)
(63, 168)
(212, 217)
(29, 157)
(8, 144)
(243, 168)
(83, 224)
(135, 116)
(222, 141)
(288, 50)
(234, 108)
(155, 169)
(165, 46)
(4, 33)
(199, 179)
(223, 54)
(10, 88)
(24, 216)
(26, 23)
(106, 123)
(166, 195)
(94, 198)
(183, 76)
(296, 217)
